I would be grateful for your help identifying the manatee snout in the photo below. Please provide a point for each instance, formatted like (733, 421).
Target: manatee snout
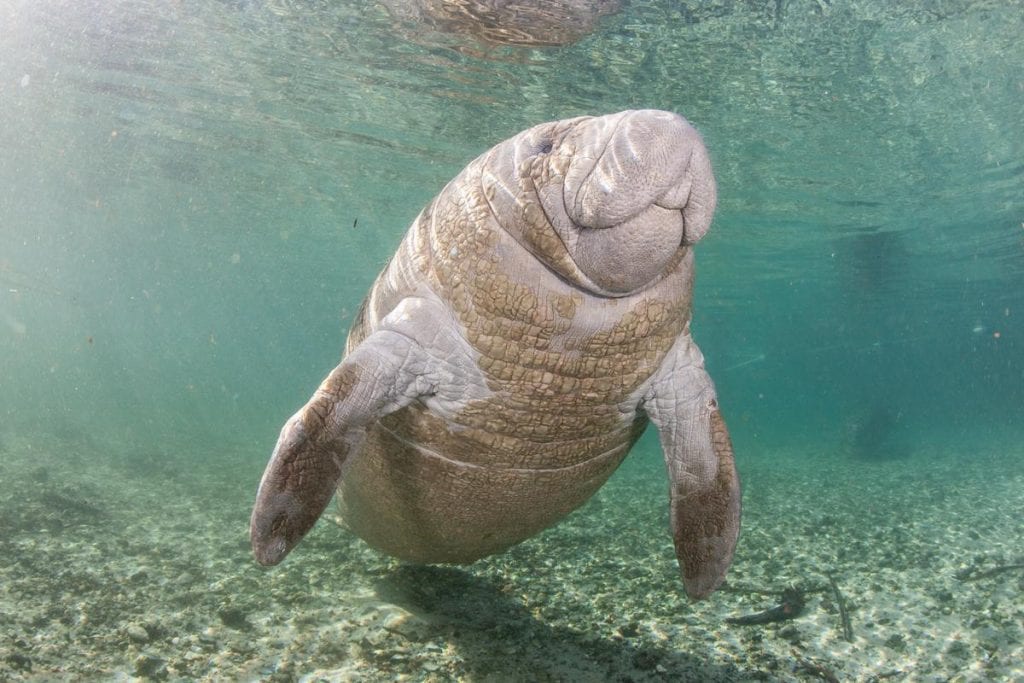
(636, 159)
(644, 190)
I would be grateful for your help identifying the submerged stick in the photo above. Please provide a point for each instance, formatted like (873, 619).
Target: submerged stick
(815, 668)
(790, 606)
(844, 615)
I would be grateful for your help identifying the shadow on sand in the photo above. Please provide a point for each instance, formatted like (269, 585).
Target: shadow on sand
(499, 639)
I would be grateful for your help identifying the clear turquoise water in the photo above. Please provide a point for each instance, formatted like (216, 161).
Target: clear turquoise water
(195, 196)
(179, 185)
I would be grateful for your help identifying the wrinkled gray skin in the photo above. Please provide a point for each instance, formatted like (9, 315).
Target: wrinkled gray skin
(534, 319)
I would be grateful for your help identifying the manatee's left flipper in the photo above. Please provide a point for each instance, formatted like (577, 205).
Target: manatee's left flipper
(705, 492)
(385, 372)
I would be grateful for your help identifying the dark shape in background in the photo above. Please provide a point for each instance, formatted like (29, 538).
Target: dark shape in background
(875, 435)
(874, 270)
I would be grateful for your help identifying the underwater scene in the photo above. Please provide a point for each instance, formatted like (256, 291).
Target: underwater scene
(197, 196)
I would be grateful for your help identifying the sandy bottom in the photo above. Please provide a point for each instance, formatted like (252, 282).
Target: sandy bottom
(121, 562)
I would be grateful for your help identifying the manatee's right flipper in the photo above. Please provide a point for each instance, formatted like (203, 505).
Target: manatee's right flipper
(384, 373)
(705, 490)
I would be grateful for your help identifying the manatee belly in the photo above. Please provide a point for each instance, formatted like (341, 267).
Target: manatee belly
(424, 505)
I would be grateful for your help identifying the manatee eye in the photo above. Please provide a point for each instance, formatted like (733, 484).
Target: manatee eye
(544, 147)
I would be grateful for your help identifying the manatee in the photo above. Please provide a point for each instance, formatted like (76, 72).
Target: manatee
(534, 319)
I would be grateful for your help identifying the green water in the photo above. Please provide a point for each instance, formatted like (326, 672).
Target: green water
(180, 185)
(195, 196)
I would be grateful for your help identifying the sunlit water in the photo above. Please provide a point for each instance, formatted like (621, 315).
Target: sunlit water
(195, 196)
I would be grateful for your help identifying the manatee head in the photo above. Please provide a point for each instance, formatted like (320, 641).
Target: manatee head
(606, 202)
